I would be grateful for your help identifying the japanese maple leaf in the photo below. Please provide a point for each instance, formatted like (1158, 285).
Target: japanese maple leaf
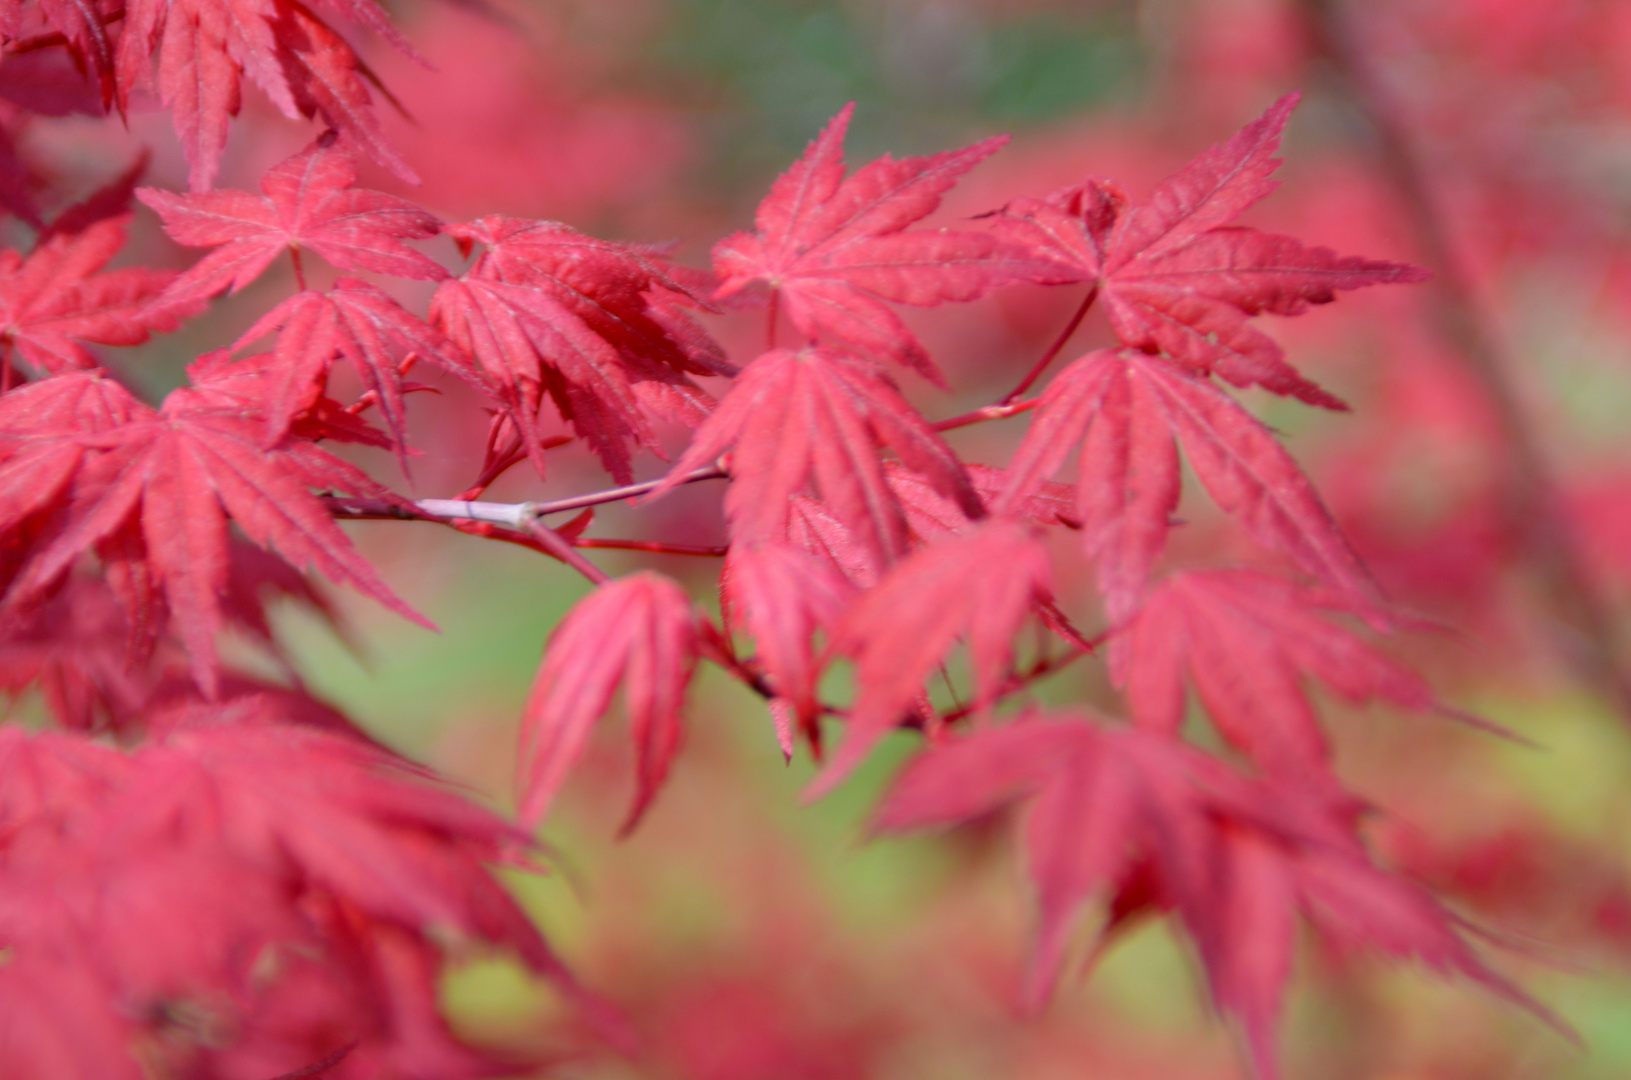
(227, 839)
(594, 325)
(219, 382)
(782, 597)
(1237, 861)
(54, 298)
(370, 331)
(979, 587)
(307, 201)
(205, 47)
(1175, 279)
(627, 294)
(158, 492)
(835, 249)
(637, 632)
(793, 419)
(1247, 641)
(1129, 410)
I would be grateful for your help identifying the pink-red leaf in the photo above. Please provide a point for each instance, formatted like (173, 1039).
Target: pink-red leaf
(362, 325)
(978, 587)
(835, 248)
(1126, 409)
(162, 488)
(816, 419)
(1247, 641)
(1175, 280)
(56, 298)
(1236, 860)
(307, 201)
(637, 632)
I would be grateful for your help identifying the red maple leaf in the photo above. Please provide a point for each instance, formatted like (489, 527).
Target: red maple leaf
(1125, 811)
(205, 47)
(835, 249)
(814, 417)
(371, 331)
(54, 298)
(783, 596)
(308, 201)
(228, 842)
(979, 586)
(154, 496)
(1175, 280)
(1248, 641)
(1129, 410)
(549, 312)
(637, 632)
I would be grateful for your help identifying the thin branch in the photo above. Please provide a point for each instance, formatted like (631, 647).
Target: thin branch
(299, 271)
(990, 412)
(1055, 349)
(578, 502)
(510, 515)
(1531, 506)
(654, 546)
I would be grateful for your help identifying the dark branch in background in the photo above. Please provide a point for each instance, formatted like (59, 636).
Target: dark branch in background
(1531, 509)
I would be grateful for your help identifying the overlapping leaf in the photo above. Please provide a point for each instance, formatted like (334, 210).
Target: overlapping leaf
(783, 596)
(55, 298)
(835, 249)
(307, 201)
(367, 328)
(171, 877)
(154, 497)
(978, 587)
(204, 48)
(593, 325)
(1247, 641)
(1174, 279)
(1123, 811)
(813, 418)
(638, 633)
(1127, 409)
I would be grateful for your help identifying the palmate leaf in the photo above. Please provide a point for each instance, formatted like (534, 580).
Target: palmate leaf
(978, 587)
(1247, 641)
(816, 418)
(549, 313)
(154, 495)
(166, 877)
(367, 328)
(58, 296)
(307, 201)
(782, 596)
(1175, 280)
(638, 633)
(1127, 409)
(835, 249)
(203, 48)
(1238, 861)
